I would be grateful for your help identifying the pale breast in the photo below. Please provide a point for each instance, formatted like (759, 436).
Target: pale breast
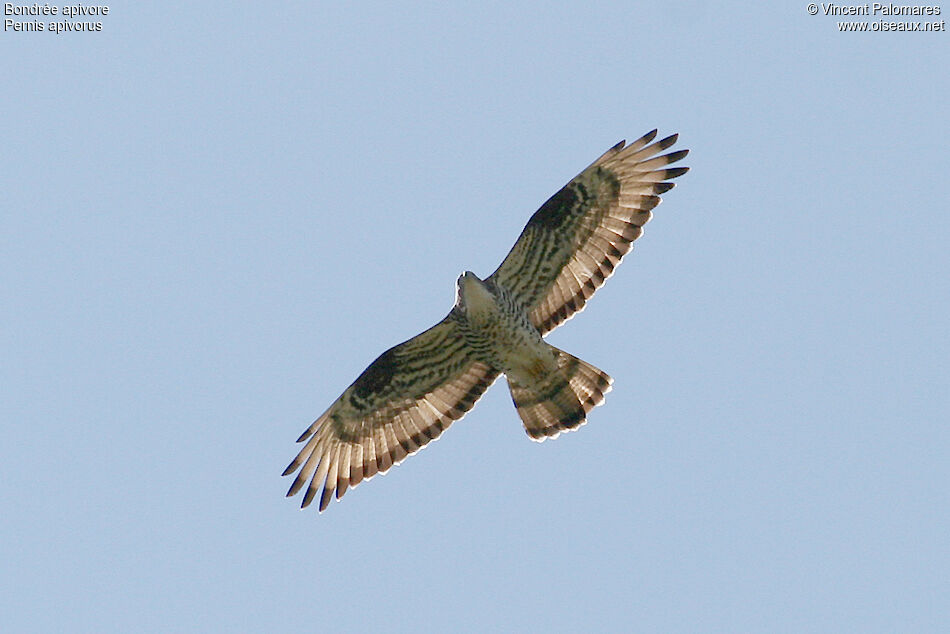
(504, 338)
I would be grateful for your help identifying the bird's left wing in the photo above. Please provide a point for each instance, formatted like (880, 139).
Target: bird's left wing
(404, 399)
(572, 244)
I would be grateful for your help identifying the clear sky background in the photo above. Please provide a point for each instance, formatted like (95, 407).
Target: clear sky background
(213, 216)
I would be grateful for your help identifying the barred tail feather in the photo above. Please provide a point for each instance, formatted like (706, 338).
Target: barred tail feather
(560, 401)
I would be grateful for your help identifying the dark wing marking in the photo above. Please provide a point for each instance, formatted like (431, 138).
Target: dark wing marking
(573, 243)
(405, 398)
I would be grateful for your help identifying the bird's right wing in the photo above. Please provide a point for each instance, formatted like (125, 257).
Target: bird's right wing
(405, 398)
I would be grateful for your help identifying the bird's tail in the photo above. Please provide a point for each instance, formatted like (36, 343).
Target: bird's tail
(560, 401)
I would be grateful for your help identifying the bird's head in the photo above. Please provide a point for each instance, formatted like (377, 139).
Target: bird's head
(472, 294)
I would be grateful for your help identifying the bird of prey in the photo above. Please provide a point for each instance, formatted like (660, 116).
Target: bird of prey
(414, 391)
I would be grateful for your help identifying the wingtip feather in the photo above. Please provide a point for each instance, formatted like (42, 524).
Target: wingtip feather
(676, 172)
(293, 466)
(679, 155)
(664, 143)
(308, 496)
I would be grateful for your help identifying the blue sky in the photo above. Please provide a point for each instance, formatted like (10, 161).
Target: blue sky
(214, 216)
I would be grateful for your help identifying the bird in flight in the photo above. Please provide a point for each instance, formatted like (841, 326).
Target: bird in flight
(412, 392)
